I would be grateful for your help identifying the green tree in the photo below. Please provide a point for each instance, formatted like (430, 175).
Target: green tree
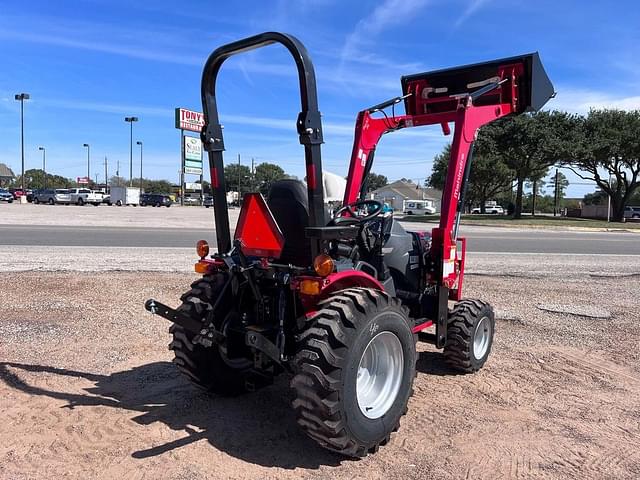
(608, 146)
(266, 174)
(596, 198)
(156, 186)
(438, 175)
(536, 185)
(116, 181)
(563, 184)
(530, 144)
(35, 178)
(489, 176)
(375, 181)
(235, 174)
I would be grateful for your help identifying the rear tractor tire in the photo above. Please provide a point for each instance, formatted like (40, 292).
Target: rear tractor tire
(207, 367)
(355, 366)
(469, 335)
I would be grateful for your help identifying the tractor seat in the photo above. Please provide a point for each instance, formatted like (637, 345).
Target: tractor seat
(287, 200)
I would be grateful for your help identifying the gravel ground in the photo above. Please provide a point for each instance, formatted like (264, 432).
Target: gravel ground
(87, 389)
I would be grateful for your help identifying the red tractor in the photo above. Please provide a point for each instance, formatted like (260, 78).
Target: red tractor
(339, 299)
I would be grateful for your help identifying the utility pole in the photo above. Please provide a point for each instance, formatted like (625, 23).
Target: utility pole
(556, 197)
(21, 97)
(140, 143)
(238, 179)
(118, 172)
(609, 201)
(106, 176)
(253, 176)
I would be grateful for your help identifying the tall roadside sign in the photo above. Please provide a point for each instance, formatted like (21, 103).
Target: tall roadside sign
(190, 147)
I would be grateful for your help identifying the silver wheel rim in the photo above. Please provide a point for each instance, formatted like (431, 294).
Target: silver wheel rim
(379, 375)
(481, 338)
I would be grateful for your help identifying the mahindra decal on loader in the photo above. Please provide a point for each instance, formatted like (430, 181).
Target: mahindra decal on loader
(338, 301)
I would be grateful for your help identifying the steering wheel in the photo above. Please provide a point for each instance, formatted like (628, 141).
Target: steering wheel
(352, 208)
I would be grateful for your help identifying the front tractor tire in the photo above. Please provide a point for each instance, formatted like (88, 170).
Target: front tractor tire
(207, 367)
(355, 366)
(470, 332)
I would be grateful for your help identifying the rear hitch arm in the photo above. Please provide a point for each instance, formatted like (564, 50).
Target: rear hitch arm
(205, 335)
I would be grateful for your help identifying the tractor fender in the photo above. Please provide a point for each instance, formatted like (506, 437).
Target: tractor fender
(335, 282)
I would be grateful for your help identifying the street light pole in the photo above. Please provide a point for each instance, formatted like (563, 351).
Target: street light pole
(44, 164)
(88, 160)
(130, 120)
(140, 143)
(21, 97)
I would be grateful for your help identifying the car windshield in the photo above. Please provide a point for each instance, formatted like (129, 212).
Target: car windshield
(62, 190)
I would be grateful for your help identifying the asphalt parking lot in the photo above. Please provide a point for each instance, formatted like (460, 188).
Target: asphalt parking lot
(87, 388)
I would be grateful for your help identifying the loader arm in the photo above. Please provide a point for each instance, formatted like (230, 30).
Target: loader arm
(469, 97)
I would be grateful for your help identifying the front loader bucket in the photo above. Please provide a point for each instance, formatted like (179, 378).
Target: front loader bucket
(527, 85)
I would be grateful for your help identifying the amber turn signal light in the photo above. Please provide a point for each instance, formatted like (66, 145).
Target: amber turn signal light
(202, 247)
(202, 267)
(310, 287)
(323, 265)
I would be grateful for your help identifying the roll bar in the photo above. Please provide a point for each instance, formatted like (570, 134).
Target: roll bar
(309, 127)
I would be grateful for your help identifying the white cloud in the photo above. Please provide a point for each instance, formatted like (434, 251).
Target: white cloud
(582, 100)
(385, 15)
(473, 7)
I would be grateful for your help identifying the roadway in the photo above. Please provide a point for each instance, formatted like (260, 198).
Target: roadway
(480, 239)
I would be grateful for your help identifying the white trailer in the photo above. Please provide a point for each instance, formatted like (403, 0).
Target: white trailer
(125, 196)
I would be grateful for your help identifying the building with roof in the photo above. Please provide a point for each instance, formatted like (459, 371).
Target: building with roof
(6, 175)
(396, 193)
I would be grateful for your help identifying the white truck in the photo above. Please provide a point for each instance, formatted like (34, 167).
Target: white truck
(80, 196)
(418, 207)
(125, 196)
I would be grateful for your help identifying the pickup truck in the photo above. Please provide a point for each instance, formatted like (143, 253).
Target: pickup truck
(80, 196)
(631, 212)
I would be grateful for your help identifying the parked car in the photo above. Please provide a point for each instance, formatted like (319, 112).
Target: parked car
(208, 201)
(144, 199)
(632, 212)
(155, 200)
(5, 195)
(51, 196)
(189, 200)
(490, 210)
(31, 194)
(44, 195)
(80, 196)
(17, 193)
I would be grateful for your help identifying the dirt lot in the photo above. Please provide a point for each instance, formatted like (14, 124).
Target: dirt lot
(87, 390)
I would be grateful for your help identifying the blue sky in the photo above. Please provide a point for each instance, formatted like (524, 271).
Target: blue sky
(87, 64)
